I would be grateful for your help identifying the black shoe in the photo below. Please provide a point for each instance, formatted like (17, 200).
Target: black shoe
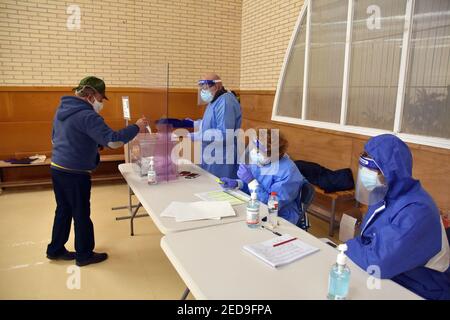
(95, 258)
(68, 255)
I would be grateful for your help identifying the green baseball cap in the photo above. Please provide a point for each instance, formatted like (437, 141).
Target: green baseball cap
(95, 83)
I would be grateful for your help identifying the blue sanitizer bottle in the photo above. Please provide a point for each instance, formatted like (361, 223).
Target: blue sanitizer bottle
(339, 280)
(253, 217)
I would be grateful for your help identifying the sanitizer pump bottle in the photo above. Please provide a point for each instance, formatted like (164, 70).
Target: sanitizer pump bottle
(339, 279)
(253, 218)
(151, 175)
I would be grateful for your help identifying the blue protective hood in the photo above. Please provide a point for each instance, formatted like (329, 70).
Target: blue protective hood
(70, 105)
(394, 159)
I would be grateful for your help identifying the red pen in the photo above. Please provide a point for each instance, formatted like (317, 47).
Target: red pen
(283, 242)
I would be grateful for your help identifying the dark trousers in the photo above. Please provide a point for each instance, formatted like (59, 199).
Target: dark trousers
(72, 194)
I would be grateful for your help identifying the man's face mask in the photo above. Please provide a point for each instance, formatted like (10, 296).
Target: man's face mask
(206, 95)
(97, 105)
(206, 91)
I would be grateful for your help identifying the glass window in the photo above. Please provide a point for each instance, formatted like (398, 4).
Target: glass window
(326, 59)
(427, 97)
(379, 32)
(377, 37)
(291, 95)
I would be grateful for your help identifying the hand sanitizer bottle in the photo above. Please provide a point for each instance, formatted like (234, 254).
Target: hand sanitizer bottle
(253, 218)
(151, 175)
(272, 206)
(339, 280)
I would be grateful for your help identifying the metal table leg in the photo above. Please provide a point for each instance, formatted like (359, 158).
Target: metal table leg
(185, 294)
(333, 215)
(130, 208)
(133, 216)
(123, 207)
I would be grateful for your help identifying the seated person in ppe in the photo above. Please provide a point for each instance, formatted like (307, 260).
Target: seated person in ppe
(271, 170)
(402, 232)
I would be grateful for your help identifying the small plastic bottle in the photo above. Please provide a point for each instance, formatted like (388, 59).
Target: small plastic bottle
(151, 175)
(339, 279)
(272, 205)
(253, 217)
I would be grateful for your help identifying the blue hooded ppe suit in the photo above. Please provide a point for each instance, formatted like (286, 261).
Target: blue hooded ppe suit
(403, 235)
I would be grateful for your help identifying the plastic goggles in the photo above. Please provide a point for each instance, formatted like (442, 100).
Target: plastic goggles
(209, 83)
(367, 162)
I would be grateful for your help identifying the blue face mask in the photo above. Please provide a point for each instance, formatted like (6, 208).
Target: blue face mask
(369, 179)
(206, 95)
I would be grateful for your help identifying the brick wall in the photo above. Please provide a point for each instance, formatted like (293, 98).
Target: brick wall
(128, 42)
(125, 42)
(267, 27)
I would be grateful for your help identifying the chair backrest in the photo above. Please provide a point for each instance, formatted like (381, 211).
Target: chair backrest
(306, 198)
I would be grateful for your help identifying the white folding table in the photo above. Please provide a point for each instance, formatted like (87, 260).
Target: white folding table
(155, 198)
(213, 265)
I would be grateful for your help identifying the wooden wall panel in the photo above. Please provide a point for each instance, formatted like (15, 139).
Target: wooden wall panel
(5, 107)
(33, 106)
(26, 114)
(433, 170)
(32, 137)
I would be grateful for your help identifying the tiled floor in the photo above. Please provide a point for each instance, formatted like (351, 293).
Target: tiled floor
(136, 269)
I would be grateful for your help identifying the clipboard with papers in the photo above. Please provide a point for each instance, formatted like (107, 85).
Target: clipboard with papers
(281, 250)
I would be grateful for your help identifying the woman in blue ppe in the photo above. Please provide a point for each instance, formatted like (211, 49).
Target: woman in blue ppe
(402, 235)
(222, 114)
(271, 171)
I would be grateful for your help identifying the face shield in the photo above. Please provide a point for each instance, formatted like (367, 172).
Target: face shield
(206, 91)
(371, 187)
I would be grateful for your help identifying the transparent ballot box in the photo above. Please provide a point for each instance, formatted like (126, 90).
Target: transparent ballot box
(157, 146)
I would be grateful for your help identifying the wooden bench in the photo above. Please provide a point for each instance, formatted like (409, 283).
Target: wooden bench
(334, 197)
(43, 182)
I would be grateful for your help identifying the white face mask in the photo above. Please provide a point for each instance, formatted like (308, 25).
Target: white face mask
(258, 158)
(98, 106)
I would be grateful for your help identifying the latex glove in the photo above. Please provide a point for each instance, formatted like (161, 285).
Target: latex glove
(229, 183)
(245, 174)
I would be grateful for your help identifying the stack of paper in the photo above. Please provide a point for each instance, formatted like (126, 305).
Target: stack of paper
(189, 211)
(280, 250)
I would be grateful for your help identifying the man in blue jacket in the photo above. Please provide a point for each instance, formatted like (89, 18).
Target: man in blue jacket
(402, 235)
(222, 114)
(78, 132)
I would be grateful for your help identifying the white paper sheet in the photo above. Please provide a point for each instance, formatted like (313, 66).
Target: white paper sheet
(347, 228)
(190, 211)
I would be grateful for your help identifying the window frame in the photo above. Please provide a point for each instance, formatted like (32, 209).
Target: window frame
(305, 13)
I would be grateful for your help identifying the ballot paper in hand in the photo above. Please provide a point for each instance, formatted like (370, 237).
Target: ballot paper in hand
(200, 210)
(280, 250)
(347, 228)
